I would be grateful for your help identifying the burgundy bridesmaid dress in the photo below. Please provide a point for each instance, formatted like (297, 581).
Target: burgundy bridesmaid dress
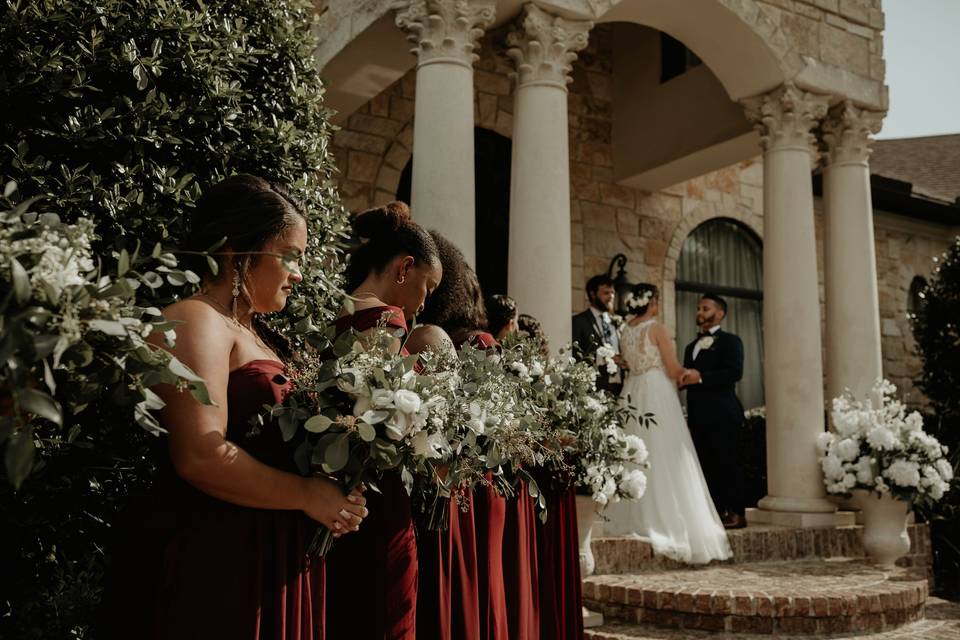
(489, 513)
(373, 573)
(520, 571)
(558, 556)
(193, 567)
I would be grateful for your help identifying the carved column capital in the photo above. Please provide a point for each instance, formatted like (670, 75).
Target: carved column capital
(544, 46)
(847, 132)
(786, 117)
(445, 30)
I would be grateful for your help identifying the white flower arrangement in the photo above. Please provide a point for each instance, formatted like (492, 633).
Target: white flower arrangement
(637, 304)
(877, 446)
(605, 355)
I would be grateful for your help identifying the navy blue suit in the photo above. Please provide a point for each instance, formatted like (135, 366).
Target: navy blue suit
(715, 416)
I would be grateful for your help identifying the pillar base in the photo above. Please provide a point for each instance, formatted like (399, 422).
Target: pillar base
(592, 619)
(801, 520)
(800, 505)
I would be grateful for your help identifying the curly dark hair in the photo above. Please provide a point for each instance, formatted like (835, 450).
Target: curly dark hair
(456, 305)
(501, 310)
(530, 326)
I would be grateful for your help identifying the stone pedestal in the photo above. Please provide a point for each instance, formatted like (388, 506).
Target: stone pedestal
(793, 370)
(445, 33)
(543, 47)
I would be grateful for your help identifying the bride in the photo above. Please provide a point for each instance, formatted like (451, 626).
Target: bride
(676, 513)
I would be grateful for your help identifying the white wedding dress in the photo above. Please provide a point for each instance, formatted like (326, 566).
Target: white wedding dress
(676, 513)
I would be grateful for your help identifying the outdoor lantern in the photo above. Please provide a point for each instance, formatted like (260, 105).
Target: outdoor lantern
(621, 285)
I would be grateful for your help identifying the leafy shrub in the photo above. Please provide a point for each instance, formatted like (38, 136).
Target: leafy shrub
(936, 328)
(122, 113)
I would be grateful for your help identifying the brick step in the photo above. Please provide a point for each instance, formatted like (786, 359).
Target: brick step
(758, 543)
(942, 622)
(805, 597)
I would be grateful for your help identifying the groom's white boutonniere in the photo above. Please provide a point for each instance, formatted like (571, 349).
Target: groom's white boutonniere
(705, 342)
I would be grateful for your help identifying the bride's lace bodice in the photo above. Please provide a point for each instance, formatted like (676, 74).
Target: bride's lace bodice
(641, 354)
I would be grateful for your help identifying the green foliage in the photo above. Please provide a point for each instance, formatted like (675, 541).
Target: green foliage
(936, 328)
(122, 112)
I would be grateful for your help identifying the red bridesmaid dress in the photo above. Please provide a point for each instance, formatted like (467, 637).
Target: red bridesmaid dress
(373, 572)
(558, 555)
(193, 567)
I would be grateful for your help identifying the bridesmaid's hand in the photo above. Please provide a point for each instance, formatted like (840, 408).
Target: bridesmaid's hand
(324, 502)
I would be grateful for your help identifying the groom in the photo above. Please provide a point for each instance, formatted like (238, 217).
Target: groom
(715, 364)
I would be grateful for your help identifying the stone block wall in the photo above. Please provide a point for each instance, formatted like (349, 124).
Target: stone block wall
(842, 33)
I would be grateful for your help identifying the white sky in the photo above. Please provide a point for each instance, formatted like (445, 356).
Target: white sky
(921, 46)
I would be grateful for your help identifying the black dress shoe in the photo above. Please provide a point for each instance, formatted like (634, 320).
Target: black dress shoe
(733, 521)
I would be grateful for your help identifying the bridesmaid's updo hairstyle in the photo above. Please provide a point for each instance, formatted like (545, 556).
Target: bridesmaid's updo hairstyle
(385, 233)
(638, 300)
(246, 210)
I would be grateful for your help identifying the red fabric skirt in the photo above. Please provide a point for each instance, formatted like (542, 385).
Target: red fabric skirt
(489, 512)
(520, 580)
(372, 574)
(448, 596)
(558, 554)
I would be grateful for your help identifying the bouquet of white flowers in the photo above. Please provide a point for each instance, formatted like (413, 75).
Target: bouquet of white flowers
(363, 412)
(877, 446)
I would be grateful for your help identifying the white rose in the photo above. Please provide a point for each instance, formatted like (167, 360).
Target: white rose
(824, 440)
(638, 447)
(407, 401)
(864, 469)
(847, 449)
(536, 369)
(382, 398)
(849, 480)
(832, 466)
(944, 468)
(881, 438)
(398, 426)
(429, 445)
(634, 484)
(904, 473)
(913, 422)
(600, 498)
(520, 369)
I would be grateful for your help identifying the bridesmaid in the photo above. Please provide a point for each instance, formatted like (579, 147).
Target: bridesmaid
(375, 571)
(219, 551)
(457, 608)
(558, 553)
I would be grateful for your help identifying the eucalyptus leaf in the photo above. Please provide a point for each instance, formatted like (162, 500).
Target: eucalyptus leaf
(336, 454)
(18, 456)
(366, 431)
(21, 281)
(317, 424)
(39, 403)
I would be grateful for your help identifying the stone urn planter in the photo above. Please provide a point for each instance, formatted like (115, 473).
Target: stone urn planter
(586, 516)
(885, 536)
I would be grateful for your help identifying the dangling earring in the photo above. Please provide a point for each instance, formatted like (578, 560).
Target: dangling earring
(236, 287)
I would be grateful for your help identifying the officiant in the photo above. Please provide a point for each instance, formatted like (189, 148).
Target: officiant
(596, 334)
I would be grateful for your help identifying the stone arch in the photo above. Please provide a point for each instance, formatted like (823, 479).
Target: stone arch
(698, 215)
(740, 42)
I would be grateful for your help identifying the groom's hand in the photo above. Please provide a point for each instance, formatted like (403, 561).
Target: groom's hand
(690, 376)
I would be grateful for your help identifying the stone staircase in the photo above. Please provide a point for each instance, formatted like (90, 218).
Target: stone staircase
(781, 582)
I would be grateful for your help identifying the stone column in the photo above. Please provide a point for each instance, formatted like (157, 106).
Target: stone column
(793, 370)
(543, 47)
(850, 265)
(445, 33)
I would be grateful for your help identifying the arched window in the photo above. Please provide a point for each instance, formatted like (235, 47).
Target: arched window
(725, 257)
(916, 295)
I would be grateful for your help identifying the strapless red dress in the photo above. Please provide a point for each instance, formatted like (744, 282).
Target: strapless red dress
(373, 573)
(195, 568)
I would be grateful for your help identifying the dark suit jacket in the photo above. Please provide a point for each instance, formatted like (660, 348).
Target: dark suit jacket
(587, 338)
(714, 401)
